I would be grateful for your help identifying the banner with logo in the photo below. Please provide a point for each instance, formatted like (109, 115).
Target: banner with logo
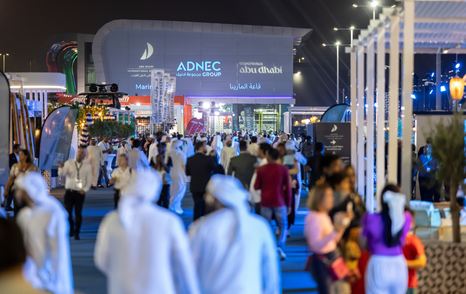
(206, 64)
(56, 137)
(4, 127)
(336, 138)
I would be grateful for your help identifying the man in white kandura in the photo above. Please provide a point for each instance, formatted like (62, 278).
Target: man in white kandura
(95, 157)
(45, 229)
(178, 176)
(233, 250)
(228, 153)
(142, 248)
(153, 150)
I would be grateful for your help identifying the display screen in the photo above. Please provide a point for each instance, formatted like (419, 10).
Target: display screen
(205, 64)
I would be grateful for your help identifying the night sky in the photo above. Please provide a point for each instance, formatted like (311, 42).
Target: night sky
(29, 27)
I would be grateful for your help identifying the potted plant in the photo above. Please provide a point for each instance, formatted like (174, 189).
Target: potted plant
(448, 149)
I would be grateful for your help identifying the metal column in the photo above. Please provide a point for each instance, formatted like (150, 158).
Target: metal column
(407, 110)
(380, 114)
(393, 98)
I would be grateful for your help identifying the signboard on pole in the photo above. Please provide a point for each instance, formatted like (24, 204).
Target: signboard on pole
(336, 138)
(56, 137)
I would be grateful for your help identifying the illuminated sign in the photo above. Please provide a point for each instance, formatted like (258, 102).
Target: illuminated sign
(199, 69)
(259, 68)
(207, 64)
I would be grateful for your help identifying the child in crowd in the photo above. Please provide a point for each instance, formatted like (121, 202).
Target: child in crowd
(413, 251)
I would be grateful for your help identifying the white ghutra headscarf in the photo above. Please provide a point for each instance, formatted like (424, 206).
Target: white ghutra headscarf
(396, 203)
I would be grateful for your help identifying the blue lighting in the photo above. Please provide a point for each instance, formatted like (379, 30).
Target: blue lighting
(443, 88)
(432, 75)
(458, 65)
(431, 91)
(413, 96)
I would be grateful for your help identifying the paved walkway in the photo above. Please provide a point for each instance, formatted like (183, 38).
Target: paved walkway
(89, 280)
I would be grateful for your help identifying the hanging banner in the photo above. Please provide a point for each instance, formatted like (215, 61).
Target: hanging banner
(4, 128)
(336, 138)
(156, 93)
(56, 137)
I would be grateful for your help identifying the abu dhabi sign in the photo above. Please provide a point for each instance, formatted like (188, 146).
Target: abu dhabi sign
(259, 68)
(204, 68)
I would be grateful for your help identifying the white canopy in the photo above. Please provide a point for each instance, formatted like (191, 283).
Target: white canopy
(420, 26)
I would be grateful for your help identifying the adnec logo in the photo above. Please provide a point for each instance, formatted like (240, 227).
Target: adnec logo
(334, 128)
(147, 52)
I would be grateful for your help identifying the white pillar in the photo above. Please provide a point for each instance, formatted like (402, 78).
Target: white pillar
(380, 113)
(438, 80)
(45, 110)
(393, 99)
(370, 73)
(360, 121)
(354, 101)
(407, 113)
(338, 74)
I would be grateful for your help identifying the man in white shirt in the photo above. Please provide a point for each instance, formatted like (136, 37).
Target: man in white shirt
(106, 150)
(78, 180)
(44, 225)
(233, 250)
(96, 160)
(142, 248)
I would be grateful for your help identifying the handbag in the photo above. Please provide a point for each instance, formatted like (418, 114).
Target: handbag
(336, 265)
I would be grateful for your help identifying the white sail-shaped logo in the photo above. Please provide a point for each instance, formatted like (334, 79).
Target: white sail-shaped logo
(147, 52)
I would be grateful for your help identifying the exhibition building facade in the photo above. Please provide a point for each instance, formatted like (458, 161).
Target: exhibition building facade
(231, 76)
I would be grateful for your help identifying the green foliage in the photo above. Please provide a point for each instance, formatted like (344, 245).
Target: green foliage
(111, 129)
(448, 149)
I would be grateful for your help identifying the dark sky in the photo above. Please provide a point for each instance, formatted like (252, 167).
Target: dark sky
(28, 28)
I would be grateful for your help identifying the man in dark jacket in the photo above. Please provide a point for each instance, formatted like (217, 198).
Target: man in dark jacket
(243, 166)
(200, 167)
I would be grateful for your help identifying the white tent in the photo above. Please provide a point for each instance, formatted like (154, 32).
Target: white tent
(420, 26)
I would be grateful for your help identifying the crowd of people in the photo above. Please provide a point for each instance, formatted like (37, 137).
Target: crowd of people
(246, 190)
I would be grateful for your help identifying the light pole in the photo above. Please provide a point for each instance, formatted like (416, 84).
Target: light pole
(4, 55)
(337, 46)
(351, 29)
(373, 4)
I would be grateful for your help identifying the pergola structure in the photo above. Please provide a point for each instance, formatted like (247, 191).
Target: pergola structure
(419, 27)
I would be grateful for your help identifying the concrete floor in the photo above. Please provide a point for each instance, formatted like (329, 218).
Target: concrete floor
(89, 280)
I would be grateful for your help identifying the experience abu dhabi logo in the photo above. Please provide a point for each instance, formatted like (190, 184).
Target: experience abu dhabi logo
(148, 51)
(259, 68)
